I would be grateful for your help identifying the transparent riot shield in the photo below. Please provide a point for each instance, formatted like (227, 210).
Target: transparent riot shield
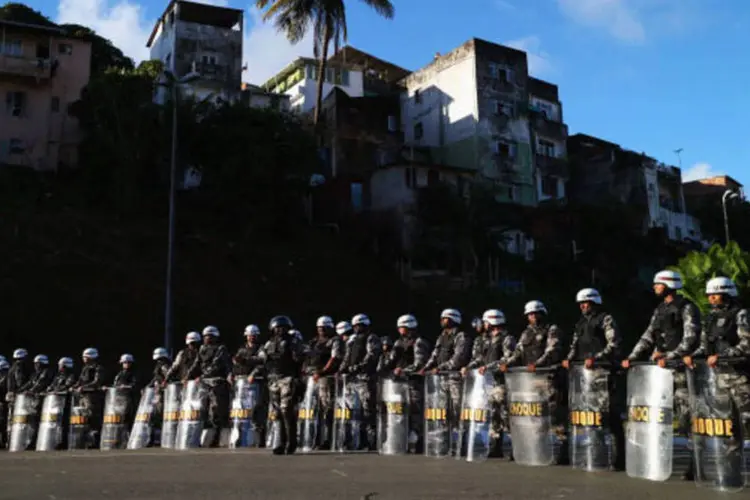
(273, 427)
(52, 422)
(393, 417)
(171, 417)
(588, 411)
(140, 435)
(649, 434)
(347, 416)
(245, 399)
(24, 422)
(716, 429)
(475, 417)
(115, 422)
(308, 418)
(79, 423)
(532, 439)
(438, 439)
(190, 425)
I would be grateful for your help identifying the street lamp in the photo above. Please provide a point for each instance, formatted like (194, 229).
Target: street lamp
(172, 83)
(728, 195)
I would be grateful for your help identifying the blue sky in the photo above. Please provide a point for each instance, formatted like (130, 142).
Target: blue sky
(650, 75)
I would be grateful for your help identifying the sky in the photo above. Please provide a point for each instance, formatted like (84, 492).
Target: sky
(654, 76)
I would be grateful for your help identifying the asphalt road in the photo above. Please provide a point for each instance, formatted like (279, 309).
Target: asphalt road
(256, 474)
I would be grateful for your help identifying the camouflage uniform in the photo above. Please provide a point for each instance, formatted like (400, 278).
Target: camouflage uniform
(451, 353)
(499, 350)
(244, 362)
(324, 357)
(182, 364)
(361, 363)
(540, 345)
(596, 337)
(726, 334)
(89, 383)
(213, 366)
(674, 330)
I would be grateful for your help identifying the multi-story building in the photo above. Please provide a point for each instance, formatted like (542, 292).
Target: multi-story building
(42, 71)
(203, 39)
(257, 97)
(701, 192)
(355, 72)
(476, 107)
(603, 172)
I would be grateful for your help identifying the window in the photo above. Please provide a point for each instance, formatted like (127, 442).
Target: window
(341, 77)
(356, 194)
(418, 131)
(504, 149)
(549, 186)
(499, 72)
(545, 148)
(42, 51)
(208, 59)
(312, 72)
(65, 49)
(678, 232)
(16, 147)
(503, 108)
(410, 177)
(417, 97)
(512, 193)
(55, 104)
(392, 124)
(433, 177)
(15, 103)
(546, 109)
(12, 48)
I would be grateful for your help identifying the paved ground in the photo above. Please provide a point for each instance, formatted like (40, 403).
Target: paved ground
(256, 475)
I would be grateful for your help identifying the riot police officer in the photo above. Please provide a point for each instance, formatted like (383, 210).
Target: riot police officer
(125, 378)
(185, 358)
(324, 356)
(280, 356)
(89, 386)
(452, 352)
(4, 368)
(409, 355)
(726, 336)
(344, 330)
(212, 367)
(65, 378)
(19, 374)
(161, 368)
(672, 333)
(361, 364)
(480, 344)
(246, 358)
(596, 340)
(386, 344)
(41, 378)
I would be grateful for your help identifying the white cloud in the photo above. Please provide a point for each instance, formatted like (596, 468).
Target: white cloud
(618, 17)
(540, 63)
(699, 171)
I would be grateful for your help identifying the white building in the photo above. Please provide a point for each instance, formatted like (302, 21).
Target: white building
(666, 202)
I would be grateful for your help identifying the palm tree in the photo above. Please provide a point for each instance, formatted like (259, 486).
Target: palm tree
(328, 21)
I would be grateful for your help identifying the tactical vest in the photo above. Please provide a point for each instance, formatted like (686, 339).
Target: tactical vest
(280, 361)
(406, 346)
(534, 340)
(320, 354)
(88, 373)
(591, 336)
(669, 325)
(209, 368)
(358, 348)
(446, 344)
(721, 329)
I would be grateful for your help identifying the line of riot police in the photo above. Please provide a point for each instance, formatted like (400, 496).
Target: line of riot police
(347, 389)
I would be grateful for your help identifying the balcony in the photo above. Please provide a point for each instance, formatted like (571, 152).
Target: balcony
(550, 165)
(27, 67)
(212, 72)
(546, 127)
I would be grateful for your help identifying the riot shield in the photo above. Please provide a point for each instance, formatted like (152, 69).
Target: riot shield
(140, 435)
(438, 441)
(716, 429)
(308, 419)
(245, 398)
(115, 422)
(171, 417)
(588, 412)
(347, 416)
(532, 439)
(273, 427)
(393, 417)
(649, 435)
(79, 423)
(24, 423)
(475, 417)
(190, 425)
(52, 422)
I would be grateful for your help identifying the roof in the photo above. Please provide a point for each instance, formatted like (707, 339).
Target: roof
(543, 89)
(51, 28)
(286, 71)
(727, 180)
(352, 56)
(192, 12)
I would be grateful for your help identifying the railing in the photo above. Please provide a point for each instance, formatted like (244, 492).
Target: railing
(26, 66)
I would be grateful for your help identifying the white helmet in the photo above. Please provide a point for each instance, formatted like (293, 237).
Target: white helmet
(452, 314)
(296, 334)
(589, 295)
(66, 362)
(210, 331)
(534, 306)
(20, 353)
(126, 358)
(407, 321)
(2, 358)
(670, 279)
(4, 365)
(361, 319)
(41, 358)
(159, 353)
(192, 337)
(343, 327)
(721, 286)
(252, 331)
(325, 322)
(494, 317)
(91, 353)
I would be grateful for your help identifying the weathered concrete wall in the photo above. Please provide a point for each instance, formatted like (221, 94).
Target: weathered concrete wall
(216, 52)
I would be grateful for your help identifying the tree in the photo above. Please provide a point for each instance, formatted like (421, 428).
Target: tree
(697, 268)
(20, 13)
(328, 21)
(104, 55)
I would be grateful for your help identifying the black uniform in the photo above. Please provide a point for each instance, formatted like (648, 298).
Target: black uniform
(213, 365)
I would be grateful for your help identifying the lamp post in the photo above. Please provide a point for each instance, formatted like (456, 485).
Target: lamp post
(728, 195)
(172, 83)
